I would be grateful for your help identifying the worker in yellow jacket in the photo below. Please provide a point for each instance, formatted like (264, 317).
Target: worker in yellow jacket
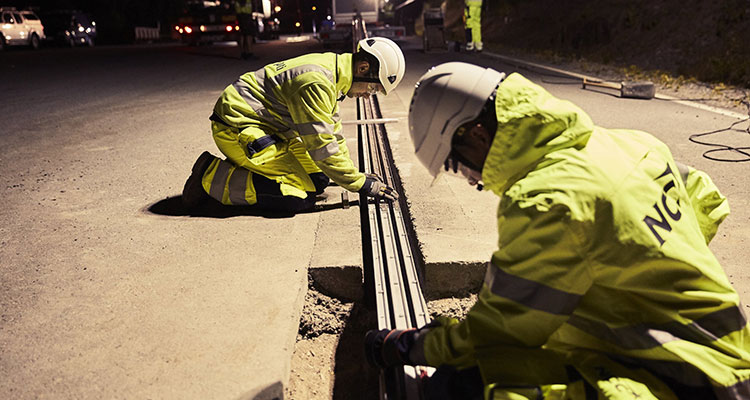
(603, 285)
(244, 11)
(473, 18)
(280, 130)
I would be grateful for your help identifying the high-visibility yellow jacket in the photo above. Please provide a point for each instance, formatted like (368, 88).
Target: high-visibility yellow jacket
(289, 99)
(602, 260)
(246, 9)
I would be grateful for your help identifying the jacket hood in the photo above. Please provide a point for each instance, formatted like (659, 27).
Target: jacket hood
(531, 123)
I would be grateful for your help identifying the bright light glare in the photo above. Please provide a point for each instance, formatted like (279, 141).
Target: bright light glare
(236, 27)
(80, 29)
(177, 28)
(228, 28)
(277, 8)
(188, 29)
(297, 24)
(314, 8)
(203, 28)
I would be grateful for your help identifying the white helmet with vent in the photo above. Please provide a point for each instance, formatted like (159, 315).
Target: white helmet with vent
(446, 97)
(392, 64)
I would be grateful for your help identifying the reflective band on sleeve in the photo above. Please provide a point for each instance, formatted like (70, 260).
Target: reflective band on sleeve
(220, 179)
(740, 390)
(688, 375)
(529, 293)
(260, 77)
(237, 186)
(314, 128)
(324, 152)
(708, 328)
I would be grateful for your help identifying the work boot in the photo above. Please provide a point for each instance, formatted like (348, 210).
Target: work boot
(479, 46)
(470, 46)
(193, 193)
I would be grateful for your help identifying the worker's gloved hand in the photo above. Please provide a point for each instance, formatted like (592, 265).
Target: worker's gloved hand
(389, 348)
(374, 187)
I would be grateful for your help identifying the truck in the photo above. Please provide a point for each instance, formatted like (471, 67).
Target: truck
(338, 31)
(206, 22)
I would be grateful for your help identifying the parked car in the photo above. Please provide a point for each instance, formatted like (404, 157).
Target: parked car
(20, 28)
(69, 27)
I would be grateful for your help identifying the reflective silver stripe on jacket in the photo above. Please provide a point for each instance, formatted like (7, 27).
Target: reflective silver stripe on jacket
(219, 180)
(688, 375)
(708, 328)
(237, 186)
(529, 293)
(243, 88)
(324, 152)
(268, 84)
(315, 128)
(288, 75)
(740, 390)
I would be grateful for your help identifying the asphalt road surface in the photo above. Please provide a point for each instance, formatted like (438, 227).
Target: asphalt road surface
(96, 145)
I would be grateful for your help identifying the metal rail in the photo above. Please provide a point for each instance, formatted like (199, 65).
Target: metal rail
(391, 255)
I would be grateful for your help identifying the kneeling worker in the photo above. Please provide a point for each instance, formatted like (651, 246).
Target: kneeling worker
(603, 285)
(279, 128)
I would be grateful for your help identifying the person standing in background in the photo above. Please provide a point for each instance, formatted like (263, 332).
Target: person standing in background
(473, 16)
(244, 10)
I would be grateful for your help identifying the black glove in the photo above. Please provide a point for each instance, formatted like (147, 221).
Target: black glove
(374, 187)
(389, 348)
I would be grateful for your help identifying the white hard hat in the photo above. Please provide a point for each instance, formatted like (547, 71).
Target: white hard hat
(446, 97)
(392, 64)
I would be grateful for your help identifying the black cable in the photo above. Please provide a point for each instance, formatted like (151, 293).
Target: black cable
(724, 147)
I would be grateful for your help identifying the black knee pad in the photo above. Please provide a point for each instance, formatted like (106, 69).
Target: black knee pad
(269, 196)
(320, 180)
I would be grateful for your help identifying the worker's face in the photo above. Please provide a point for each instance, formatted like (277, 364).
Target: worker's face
(469, 151)
(364, 89)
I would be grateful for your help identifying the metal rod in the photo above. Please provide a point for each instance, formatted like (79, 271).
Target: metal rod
(371, 121)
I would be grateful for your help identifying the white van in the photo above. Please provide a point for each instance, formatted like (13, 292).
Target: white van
(20, 28)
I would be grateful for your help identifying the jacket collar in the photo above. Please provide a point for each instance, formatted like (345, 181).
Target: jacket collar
(344, 74)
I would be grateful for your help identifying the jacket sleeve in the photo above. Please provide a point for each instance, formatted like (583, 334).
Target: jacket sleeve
(709, 205)
(314, 112)
(534, 282)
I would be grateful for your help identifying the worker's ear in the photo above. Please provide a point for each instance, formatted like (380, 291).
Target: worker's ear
(362, 68)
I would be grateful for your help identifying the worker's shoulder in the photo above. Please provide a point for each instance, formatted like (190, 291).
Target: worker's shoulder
(570, 181)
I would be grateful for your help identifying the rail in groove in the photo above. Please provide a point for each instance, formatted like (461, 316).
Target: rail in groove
(391, 255)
